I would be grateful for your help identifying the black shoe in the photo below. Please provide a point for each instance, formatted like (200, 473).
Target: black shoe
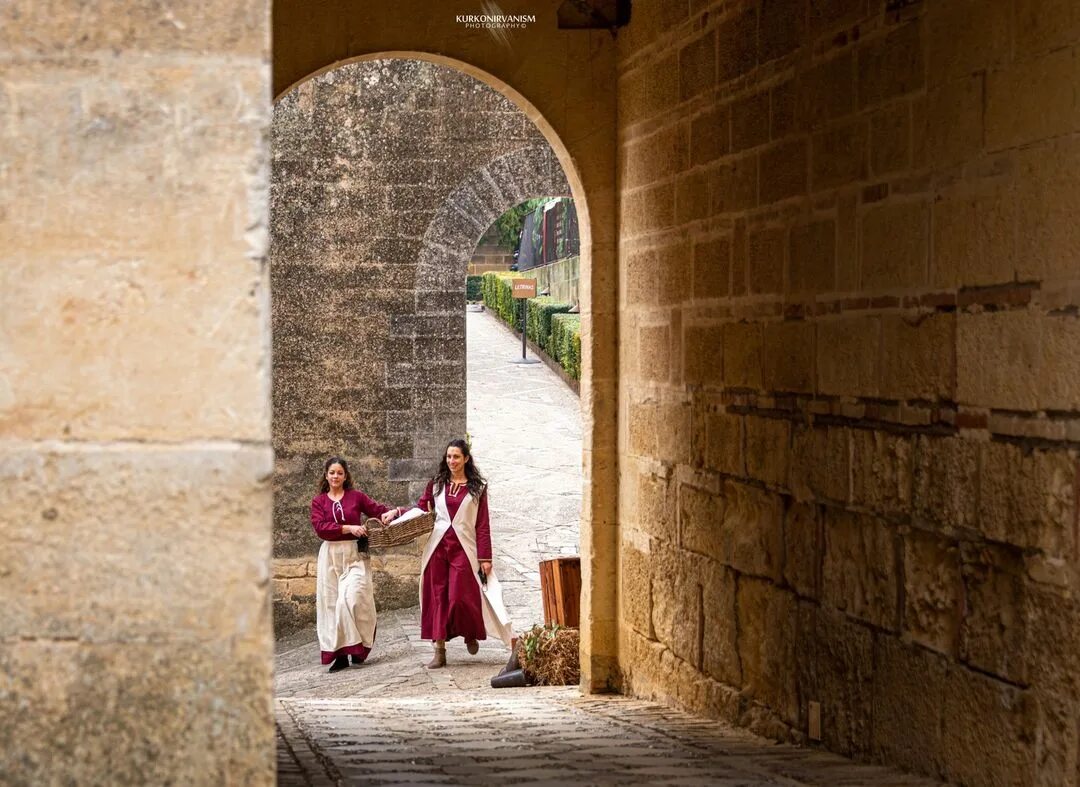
(512, 664)
(511, 679)
(340, 663)
(358, 659)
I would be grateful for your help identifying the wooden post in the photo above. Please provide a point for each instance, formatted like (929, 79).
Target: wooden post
(523, 289)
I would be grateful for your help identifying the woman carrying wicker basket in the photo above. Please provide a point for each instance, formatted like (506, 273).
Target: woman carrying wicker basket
(344, 597)
(459, 592)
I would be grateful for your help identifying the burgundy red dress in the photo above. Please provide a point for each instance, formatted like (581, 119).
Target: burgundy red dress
(344, 595)
(450, 598)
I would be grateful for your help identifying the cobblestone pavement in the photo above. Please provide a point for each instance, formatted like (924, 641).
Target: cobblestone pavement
(390, 721)
(538, 736)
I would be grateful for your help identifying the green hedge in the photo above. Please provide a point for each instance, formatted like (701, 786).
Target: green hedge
(550, 326)
(566, 343)
(474, 288)
(500, 299)
(541, 310)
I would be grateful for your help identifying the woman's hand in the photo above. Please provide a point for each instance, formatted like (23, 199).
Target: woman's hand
(360, 530)
(389, 516)
(485, 566)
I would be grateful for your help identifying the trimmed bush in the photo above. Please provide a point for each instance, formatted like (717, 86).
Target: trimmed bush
(541, 310)
(499, 298)
(474, 288)
(550, 327)
(566, 343)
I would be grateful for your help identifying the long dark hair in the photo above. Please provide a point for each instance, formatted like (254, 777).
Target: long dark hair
(475, 481)
(324, 485)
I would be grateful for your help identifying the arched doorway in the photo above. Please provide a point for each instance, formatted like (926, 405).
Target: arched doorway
(321, 221)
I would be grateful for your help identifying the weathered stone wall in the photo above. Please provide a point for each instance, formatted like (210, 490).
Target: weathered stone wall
(560, 278)
(386, 173)
(135, 464)
(850, 394)
(396, 576)
(490, 255)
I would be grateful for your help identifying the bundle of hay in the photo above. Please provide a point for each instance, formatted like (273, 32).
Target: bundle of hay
(549, 655)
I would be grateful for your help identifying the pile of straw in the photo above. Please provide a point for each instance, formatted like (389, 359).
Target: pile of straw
(549, 655)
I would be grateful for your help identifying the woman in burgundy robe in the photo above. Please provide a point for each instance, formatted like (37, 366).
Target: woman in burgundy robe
(459, 592)
(344, 596)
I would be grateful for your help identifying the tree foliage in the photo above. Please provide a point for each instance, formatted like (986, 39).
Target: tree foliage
(510, 223)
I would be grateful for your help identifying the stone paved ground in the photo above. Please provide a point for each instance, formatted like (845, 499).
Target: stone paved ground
(525, 426)
(391, 721)
(539, 736)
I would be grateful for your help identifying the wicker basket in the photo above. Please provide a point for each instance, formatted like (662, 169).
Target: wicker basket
(396, 534)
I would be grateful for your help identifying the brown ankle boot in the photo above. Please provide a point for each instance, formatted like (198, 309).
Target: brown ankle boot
(472, 646)
(439, 659)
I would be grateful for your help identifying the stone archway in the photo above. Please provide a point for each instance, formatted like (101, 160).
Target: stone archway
(478, 201)
(468, 212)
(574, 113)
(164, 288)
(386, 174)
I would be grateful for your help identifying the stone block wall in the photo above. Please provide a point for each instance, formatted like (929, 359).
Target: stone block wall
(490, 258)
(560, 278)
(849, 383)
(490, 254)
(396, 572)
(135, 461)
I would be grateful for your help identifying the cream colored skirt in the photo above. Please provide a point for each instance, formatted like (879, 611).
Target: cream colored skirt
(344, 597)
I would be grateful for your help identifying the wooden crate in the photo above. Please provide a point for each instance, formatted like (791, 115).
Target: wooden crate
(560, 584)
